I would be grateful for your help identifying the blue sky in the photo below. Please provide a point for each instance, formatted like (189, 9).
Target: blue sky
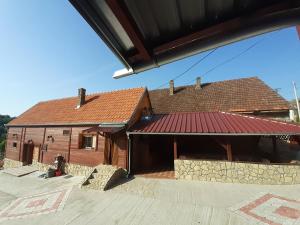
(48, 51)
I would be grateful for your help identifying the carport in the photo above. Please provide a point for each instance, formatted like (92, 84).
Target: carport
(203, 136)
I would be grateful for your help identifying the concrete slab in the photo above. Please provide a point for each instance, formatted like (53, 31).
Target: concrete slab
(145, 201)
(20, 171)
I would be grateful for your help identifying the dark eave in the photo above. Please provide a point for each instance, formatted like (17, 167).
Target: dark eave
(145, 34)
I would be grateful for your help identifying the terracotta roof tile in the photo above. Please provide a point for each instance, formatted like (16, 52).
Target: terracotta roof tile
(108, 107)
(240, 95)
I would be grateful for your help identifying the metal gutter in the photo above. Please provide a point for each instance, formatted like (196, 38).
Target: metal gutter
(129, 154)
(67, 124)
(117, 125)
(85, 10)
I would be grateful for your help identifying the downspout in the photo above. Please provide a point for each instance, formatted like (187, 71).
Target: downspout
(129, 155)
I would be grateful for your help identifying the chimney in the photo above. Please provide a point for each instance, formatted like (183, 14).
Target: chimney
(198, 83)
(81, 97)
(171, 87)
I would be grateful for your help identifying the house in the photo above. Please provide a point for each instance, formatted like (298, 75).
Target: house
(87, 130)
(162, 129)
(249, 96)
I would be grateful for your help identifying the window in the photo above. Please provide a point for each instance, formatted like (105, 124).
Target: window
(66, 132)
(89, 142)
(14, 144)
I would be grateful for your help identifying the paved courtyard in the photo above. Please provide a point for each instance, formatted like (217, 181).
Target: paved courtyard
(32, 200)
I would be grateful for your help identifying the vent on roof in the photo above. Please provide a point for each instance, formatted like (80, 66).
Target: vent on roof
(81, 97)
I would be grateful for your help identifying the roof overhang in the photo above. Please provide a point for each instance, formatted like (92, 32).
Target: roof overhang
(215, 134)
(213, 124)
(106, 128)
(146, 34)
(81, 124)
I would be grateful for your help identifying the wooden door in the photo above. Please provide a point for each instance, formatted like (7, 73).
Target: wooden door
(110, 152)
(27, 154)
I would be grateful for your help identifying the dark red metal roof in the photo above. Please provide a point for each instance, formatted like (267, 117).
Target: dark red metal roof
(221, 123)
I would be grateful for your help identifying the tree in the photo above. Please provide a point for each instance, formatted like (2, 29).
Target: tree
(4, 119)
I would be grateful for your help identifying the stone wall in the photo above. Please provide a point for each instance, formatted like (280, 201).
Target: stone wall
(73, 169)
(237, 172)
(9, 163)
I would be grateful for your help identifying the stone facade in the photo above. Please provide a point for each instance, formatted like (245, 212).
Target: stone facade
(236, 172)
(73, 169)
(9, 163)
(101, 177)
(104, 177)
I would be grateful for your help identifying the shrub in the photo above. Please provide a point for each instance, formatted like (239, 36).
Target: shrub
(2, 149)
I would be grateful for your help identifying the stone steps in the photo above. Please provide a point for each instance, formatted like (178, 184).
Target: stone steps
(103, 177)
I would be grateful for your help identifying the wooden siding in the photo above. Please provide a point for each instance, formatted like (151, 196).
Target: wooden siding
(57, 143)
(91, 157)
(66, 145)
(11, 152)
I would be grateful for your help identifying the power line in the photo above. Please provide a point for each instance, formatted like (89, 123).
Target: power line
(230, 59)
(191, 67)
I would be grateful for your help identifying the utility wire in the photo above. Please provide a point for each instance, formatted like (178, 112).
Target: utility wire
(230, 59)
(191, 67)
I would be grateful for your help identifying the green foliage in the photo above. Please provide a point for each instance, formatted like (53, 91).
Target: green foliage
(4, 119)
(2, 149)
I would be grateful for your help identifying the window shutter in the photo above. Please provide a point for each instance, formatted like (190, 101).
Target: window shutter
(79, 140)
(94, 141)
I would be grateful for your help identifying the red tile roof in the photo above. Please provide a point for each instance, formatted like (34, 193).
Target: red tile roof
(240, 95)
(214, 123)
(108, 107)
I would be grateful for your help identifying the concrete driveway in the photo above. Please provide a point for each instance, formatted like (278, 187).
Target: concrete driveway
(145, 201)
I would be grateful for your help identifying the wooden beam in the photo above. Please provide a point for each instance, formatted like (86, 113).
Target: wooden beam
(274, 143)
(175, 148)
(223, 28)
(226, 144)
(124, 17)
(229, 151)
(69, 146)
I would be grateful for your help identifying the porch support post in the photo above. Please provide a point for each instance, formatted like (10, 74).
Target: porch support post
(175, 148)
(228, 150)
(274, 142)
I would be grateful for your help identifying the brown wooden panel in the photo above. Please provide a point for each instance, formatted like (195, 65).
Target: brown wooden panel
(86, 157)
(34, 134)
(13, 135)
(57, 143)
(14, 155)
(75, 136)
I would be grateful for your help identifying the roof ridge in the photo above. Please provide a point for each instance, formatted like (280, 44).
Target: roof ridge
(91, 94)
(220, 81)
(261, 118)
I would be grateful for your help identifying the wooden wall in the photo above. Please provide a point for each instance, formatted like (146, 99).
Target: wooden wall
(66, 145)
(11, 152)
(85, 157)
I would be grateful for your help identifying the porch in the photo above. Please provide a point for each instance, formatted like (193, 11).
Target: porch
(216, 147)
